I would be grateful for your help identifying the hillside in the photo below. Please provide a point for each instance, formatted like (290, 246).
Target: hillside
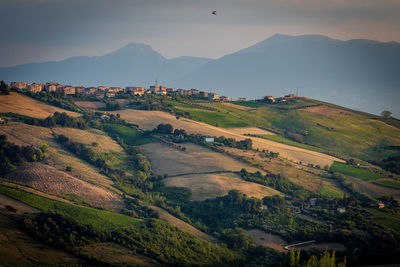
(144, 187)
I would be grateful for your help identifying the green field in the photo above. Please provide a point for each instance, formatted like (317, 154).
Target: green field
(356, 134)
(389, 183)
(355, 172)
(248, 104)
(329, 192)
(386, 219)
(284, 140)
(128, 135)
(99, 219)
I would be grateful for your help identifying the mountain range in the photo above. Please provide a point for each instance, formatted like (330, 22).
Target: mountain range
(360, 74)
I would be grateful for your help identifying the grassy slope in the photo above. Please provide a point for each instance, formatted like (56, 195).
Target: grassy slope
(389, 183)
(355, 172)
(100, 219)
(128, 135)
(357, 134)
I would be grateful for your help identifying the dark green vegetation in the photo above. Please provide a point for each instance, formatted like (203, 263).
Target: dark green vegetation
(129, 135)
(97, 218)
(12, 155)
(4, 88)
(353, 171)
(389, 183)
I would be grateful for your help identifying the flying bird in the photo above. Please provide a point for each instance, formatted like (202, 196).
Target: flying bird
(214, 12)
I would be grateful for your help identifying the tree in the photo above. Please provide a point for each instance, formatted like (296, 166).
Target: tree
(4, 88)
(386, 114)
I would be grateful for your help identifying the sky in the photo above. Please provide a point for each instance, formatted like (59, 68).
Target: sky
(47, 30)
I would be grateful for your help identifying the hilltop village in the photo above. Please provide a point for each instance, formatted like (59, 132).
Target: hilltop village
(112, 92)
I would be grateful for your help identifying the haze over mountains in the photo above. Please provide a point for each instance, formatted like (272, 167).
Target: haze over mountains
(359, 74)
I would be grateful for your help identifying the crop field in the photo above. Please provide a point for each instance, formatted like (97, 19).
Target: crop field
(262, 238)
(349, 133)
(90, 104)
(100, 219)
(374, 190)
(302, 175)
(128, 135)
(20, 104)
(355, 172)
(196, 159)
(105, 144)
(150, 119)
(57, 156)
(50, 180)
(241, 107)
(389, 183)
(284, 140)
(329, 192)
(327, 111)
(204, 186)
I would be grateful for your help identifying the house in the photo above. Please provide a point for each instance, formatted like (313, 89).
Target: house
(209, 139)
(204, 94)
(241, 99)
(79, 90)
(35, 87)
(68, 90)
(110, 94)
(170, 90)
(341, 210)
(20, 86)
(90, 90)
(213, 96)
(101, 88)
(50, 88)
(224, 98)
(115, 89)
(269, 98)
(312, 201)
(184, 92)
(194, 91)
(380, 205)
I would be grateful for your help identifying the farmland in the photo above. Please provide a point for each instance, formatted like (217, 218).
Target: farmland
(20, 104)
(57, 156)
(205, 186)
(150, 119)
(50, 180)
(129, 135)
(195, 159)
(355, 172)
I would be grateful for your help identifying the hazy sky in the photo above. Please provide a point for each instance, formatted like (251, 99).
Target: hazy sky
(41, 30)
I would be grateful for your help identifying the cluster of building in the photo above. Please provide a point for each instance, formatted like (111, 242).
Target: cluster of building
(285, 98)
(103, 91)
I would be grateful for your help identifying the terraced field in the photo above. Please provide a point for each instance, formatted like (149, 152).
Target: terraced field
(50, 180)
(20, 104)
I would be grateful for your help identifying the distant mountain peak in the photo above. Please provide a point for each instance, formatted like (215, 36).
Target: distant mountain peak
(134, 48)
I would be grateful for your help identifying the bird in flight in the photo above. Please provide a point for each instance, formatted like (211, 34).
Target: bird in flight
(214, 12)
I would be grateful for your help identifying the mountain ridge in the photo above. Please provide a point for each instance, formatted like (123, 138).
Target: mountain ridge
(357, 73)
